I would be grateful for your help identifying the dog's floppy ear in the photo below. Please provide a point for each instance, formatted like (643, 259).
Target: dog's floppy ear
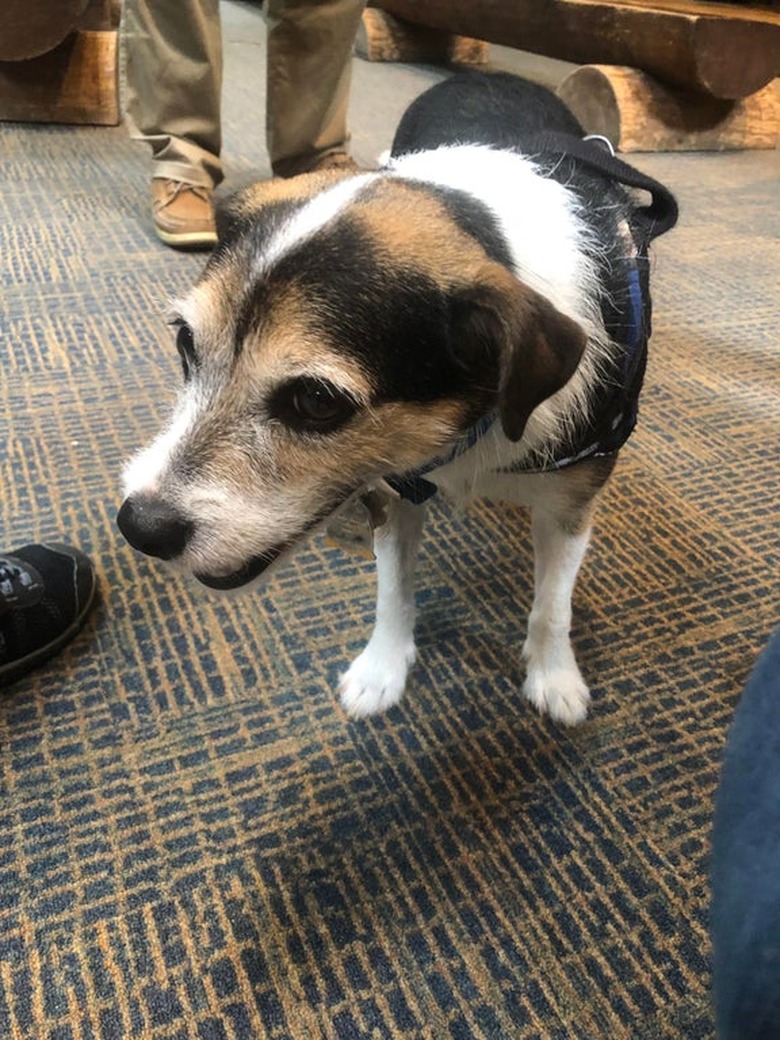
(536, 347)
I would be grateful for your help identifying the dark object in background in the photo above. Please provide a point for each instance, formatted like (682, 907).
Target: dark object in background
(746, 863)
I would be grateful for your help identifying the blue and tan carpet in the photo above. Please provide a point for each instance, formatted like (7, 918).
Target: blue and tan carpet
(195, 844)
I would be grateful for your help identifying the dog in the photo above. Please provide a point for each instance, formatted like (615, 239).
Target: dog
(471, 319)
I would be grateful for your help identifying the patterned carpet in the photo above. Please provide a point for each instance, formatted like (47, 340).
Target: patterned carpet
(196, 844)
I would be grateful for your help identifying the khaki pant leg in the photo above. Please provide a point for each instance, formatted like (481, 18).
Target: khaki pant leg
(309, 71)
(173, 73)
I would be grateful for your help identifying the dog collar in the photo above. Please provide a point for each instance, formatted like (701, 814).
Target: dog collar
(415, 488)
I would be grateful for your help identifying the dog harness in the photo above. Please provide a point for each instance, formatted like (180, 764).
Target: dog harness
(614, 414)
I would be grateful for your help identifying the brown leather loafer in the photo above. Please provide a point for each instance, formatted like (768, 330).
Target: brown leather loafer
(335, 159)
(183, 214)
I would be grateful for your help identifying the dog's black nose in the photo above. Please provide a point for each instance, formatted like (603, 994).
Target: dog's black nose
(153, 527)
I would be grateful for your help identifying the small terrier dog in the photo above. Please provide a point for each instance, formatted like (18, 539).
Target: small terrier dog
(471, 318)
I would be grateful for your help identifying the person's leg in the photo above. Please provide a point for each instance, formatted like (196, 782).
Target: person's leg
(309, 72)
(46, 592)
(745, 917)
(173, 72)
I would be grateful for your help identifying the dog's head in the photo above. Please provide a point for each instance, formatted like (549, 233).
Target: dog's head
(345, 329)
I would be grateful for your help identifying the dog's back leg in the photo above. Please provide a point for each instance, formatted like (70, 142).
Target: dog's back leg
(376, 678)
(561, 525)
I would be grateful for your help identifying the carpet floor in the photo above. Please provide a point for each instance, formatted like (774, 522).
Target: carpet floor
(195, 843)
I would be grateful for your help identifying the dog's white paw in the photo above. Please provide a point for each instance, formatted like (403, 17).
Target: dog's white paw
(561, 694)
(554, 685)
(375, 680)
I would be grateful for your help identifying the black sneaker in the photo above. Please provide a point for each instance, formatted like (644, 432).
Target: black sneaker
(46, 591)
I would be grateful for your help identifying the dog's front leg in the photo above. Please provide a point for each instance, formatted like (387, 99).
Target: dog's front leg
(376, 678)
(553, 680)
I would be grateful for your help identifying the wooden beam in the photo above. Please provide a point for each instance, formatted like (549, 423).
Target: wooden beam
(101, 15)
(638, 114)
(33, 27)
(381, 37)
(725, 56)
(77, 82)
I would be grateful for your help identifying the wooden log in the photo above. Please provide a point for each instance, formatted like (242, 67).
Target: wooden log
(33, 27)
(101, 15)
(638, 114)
(726, 51)
(381, 37)
(76, 82)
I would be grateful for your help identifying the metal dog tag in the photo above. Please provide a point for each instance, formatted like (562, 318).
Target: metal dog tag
(353, 527)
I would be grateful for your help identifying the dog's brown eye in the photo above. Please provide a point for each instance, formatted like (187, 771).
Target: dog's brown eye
(316, 403)
(185, 344)
(312, 405)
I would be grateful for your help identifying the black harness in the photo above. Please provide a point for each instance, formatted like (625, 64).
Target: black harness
(596, 154)
(615, 412)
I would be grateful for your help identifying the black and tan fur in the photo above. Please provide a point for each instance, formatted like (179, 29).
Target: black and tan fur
(351, 328)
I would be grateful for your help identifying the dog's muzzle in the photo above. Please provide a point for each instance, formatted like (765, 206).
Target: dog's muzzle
(154, 527)
(248, 572)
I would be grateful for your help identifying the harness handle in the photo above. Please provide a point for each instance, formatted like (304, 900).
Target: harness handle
(662, 213)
